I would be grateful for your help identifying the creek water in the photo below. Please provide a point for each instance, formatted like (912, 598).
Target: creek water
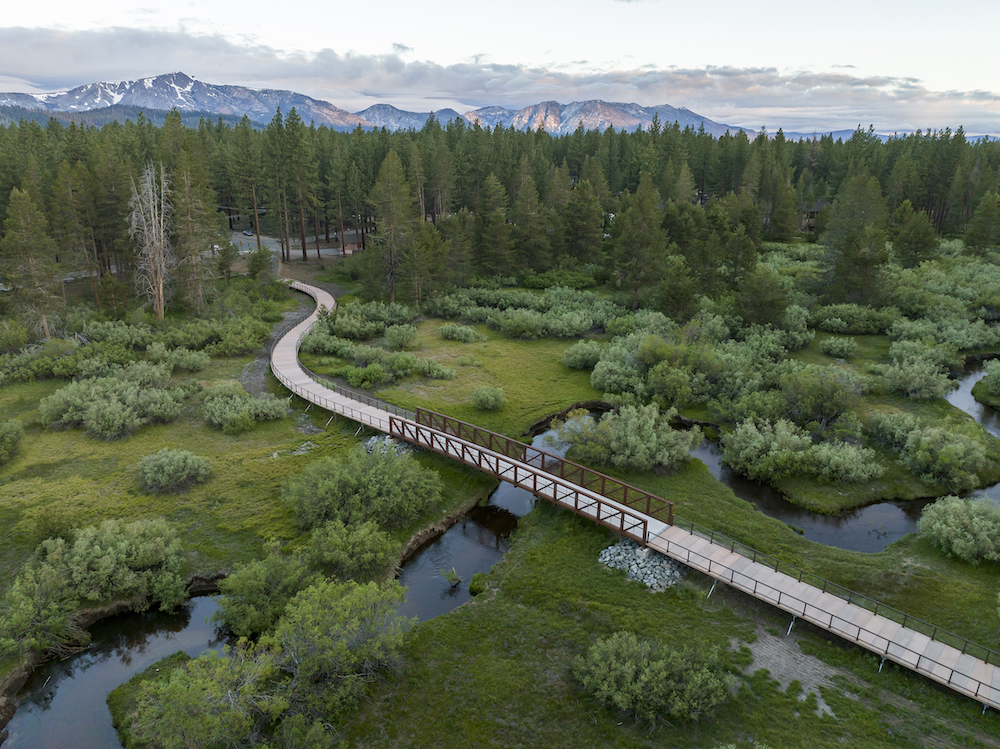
(63, 703)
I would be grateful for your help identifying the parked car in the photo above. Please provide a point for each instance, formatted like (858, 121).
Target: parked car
(247, 233)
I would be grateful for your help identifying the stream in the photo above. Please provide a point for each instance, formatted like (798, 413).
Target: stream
(63, 704)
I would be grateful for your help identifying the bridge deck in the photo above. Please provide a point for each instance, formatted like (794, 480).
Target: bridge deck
(910, 648)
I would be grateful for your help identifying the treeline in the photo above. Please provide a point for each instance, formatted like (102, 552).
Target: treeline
(639, 206)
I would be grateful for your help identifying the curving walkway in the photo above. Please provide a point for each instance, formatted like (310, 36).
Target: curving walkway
(934, 653)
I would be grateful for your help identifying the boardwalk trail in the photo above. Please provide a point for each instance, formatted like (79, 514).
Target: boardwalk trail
(948, 659)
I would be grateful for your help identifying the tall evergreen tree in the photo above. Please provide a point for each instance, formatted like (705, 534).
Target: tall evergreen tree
(28, 259)
(393, 203)
(640, 247)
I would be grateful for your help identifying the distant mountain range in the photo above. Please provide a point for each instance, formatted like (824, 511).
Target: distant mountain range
(97, 103)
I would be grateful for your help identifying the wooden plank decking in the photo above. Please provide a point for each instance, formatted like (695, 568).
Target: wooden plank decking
(914, 650)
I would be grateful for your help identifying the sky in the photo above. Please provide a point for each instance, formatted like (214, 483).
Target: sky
(895, 65)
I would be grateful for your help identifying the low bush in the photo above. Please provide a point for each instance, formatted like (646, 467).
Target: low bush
(173, 470)
(462, 333)
(841, 348)
(11, 432)
(965, 528)
(433, 369)
(381, 486)
(582, 355)
(487, 398)
(356, 552)
(138, 562)
(478, 584)
(255, 594)
(233, 410)
(113, 407)
(768, 451)
(854, 319)
(633, 437)
(400, 336)
(915, 378)
(646, 679)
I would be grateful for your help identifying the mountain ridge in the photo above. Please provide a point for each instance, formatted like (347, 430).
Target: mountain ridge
(194, 97)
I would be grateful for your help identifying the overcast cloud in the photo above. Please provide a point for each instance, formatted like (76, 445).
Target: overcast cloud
(34, 59)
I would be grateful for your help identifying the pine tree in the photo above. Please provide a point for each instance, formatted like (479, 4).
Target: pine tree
(27, 258)
(393, 204)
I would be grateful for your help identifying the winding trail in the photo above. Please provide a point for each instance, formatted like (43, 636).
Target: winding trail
(939, 655)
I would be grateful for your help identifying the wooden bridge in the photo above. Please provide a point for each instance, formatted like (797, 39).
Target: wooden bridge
(960, 664)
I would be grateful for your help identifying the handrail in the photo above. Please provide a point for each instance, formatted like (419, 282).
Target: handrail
(868, 603)
(588, 478)
(876, 640)
(526, 454)
(565, 493)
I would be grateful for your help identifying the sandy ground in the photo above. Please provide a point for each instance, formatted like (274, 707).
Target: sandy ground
(786, 662)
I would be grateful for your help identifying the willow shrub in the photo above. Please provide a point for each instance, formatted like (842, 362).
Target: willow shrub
(357, 552)
(255, 595)
(113, 407)
(487, 398)
(233, 410)
(138, 562)
(766, 451)
(632, 437)
(173, 470)
(381, 486)
(646, 679)
(11, 432)
(965, 528)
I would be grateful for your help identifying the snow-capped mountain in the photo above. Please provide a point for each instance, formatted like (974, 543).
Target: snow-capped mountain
(562, 119)
(188, 94)
(391, 118)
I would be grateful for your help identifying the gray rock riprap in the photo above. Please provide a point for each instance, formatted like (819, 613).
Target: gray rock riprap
(651, 568)
(385, 442)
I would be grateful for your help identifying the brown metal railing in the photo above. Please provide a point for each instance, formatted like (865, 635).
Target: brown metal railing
(534, 479)
(851, 596)
(598, 483)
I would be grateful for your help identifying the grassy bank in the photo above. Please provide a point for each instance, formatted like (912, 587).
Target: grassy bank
(496, 672)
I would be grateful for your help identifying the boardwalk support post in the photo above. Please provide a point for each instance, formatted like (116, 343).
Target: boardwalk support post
(790, 625)
(330, 419)
(712, 590)
(881, 664)
(359, 430)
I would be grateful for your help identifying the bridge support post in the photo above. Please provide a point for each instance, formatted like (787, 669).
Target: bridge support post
(330, 419)
(790, 625)
(712, 590)
(307, 408)
(882, 663)
(359, 430)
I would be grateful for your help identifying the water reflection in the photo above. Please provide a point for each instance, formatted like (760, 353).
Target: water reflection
(867, 529)
(63, 704)
(963, 399)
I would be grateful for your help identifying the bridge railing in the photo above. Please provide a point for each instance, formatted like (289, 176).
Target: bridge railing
(598, 483)
(534, 479)
(932, 631)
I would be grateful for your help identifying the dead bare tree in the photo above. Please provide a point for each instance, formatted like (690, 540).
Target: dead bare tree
(149, 226)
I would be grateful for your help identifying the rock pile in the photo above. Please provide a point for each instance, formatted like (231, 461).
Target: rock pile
(385, 442)
(649, 567)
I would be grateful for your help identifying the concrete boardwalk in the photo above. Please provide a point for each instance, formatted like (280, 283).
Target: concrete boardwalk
(915, 650)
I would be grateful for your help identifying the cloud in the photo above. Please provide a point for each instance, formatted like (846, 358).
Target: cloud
(400, 48)
(49, 59)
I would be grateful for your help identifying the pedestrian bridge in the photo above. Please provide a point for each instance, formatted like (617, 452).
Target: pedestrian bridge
(946, 658)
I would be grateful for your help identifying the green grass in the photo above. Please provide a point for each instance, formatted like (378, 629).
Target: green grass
(497, 671)
(534, 381)
(75, 480)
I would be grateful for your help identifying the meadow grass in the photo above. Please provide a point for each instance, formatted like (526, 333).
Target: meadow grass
(497, 671)
(534, 381)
